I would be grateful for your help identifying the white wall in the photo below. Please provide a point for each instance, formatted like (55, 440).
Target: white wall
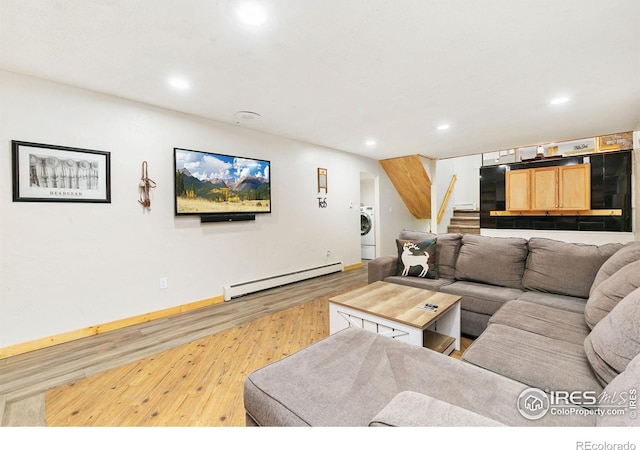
(67, 266)
(392, 216)
(367, 190)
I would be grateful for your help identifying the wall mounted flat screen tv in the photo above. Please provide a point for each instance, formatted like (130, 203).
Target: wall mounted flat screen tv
(212, 183)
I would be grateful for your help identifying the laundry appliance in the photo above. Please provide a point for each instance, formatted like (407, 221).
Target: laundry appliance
(367, 232)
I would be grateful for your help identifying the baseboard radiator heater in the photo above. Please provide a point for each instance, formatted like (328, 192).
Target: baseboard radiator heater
(237, 290)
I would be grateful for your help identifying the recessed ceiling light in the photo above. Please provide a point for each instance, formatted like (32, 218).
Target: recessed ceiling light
(246, 115)
(179, 83)
(559, 100)
(370, 143)
(444, 126)
(251, 13)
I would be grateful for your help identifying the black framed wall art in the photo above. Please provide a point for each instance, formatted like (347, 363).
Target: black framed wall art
(52, 173)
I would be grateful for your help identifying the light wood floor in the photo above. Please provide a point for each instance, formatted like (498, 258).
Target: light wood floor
(187, 370)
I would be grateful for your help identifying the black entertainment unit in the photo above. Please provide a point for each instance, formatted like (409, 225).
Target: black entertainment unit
(611, 188)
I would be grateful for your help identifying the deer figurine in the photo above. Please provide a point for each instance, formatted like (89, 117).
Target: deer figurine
(410, 260)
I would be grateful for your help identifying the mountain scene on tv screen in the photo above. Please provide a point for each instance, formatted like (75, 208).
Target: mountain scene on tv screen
(206, 183)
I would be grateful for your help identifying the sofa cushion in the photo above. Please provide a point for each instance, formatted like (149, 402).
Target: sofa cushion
(629, 253)
(609, 293)
(492, 260)
(423, 283)
(412, 409)
(543, 320)
(562, 302)
(615, 340)
(532, 359)
(447, 247)
(480, 297)
(347, 378)
(417, 258)
(626, 382)
(564, 268)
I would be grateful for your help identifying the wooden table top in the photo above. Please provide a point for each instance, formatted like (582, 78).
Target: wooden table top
(397, 302)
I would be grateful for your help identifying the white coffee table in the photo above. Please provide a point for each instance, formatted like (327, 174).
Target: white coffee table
(396, 311)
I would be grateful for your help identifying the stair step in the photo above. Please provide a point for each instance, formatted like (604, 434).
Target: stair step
(464, 225)
(466, 213)
(28, 412)
(463, 229)
(465, 220)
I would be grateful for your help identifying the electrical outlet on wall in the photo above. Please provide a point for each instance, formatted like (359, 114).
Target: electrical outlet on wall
(328, 253)
(164, 283)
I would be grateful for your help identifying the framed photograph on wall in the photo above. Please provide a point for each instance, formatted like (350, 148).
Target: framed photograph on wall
(322, 180)
(51, 173)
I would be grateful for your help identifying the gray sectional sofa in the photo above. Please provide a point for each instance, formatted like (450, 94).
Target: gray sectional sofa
(558, 339)
(487, 272)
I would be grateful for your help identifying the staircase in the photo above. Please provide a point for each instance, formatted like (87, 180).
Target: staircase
(465, 221)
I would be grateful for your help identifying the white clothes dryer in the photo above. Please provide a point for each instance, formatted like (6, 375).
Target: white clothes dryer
(367, 232)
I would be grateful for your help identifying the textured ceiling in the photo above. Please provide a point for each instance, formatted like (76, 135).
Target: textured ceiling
(339, 72)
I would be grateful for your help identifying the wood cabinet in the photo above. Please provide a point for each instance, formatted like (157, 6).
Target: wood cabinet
(518, 190)
(574, 191)
(544, 188)
(557, 188)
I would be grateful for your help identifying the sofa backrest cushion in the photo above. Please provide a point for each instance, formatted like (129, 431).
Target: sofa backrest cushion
(609, 293)
(447, 248)
(629, 253)
(411, 235)
(492, 260)
(564, 268)
(615, 340)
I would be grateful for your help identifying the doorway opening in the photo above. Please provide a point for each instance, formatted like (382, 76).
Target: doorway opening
(369, 233)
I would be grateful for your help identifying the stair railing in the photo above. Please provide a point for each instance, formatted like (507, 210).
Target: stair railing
(443, 207)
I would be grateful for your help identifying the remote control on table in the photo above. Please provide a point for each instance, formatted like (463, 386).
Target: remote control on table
(429, 307)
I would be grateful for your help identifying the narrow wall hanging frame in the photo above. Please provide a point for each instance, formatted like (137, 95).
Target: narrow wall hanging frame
(322, 186)
(322, 180)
